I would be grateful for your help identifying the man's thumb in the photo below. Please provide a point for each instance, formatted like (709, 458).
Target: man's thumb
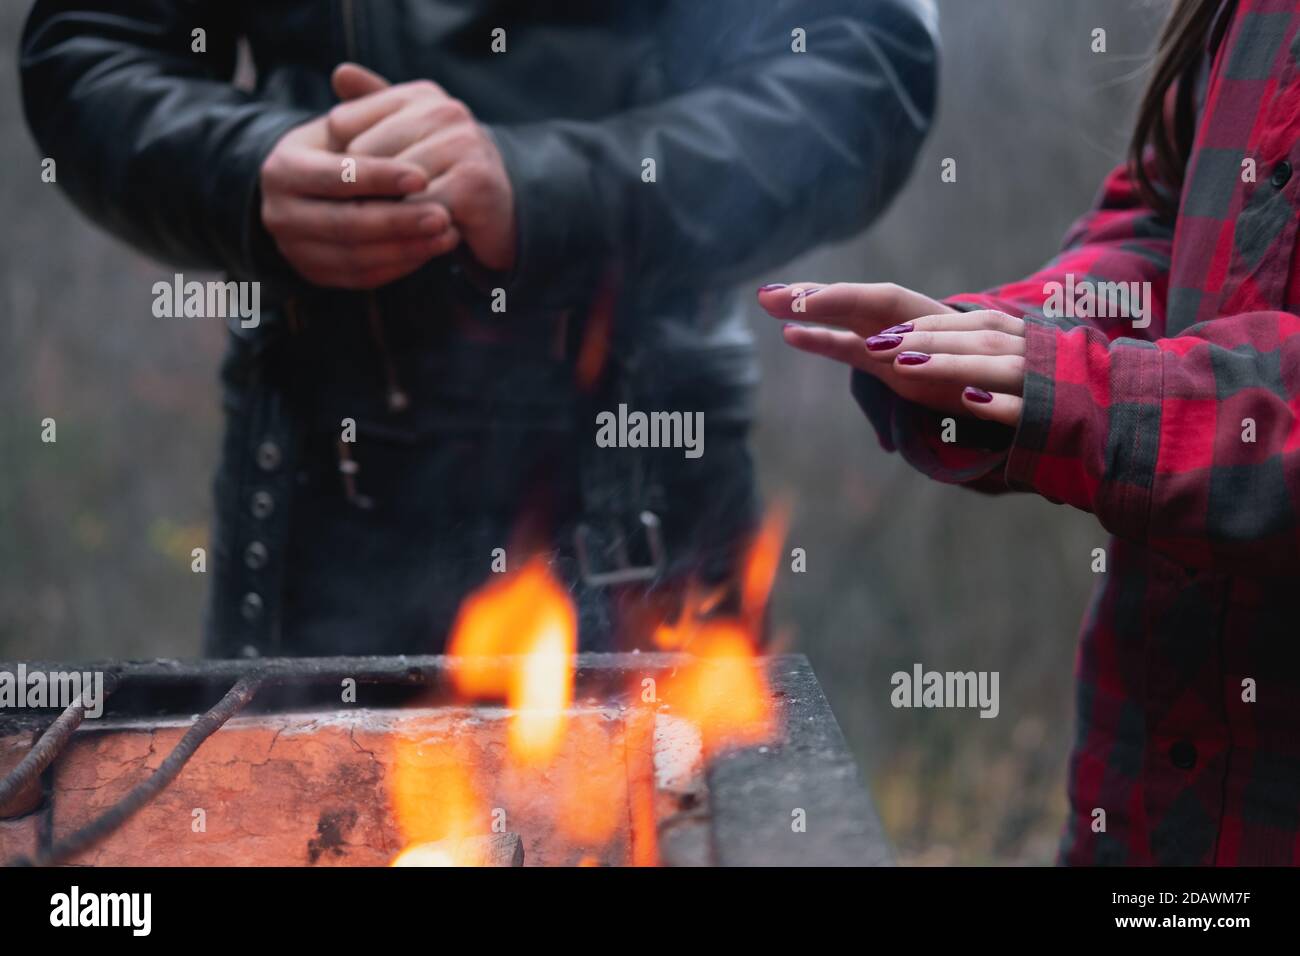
(351, 81)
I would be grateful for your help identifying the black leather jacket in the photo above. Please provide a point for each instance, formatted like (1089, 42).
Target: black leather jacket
(761, 153)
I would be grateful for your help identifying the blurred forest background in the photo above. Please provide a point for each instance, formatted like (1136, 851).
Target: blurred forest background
(96, 530)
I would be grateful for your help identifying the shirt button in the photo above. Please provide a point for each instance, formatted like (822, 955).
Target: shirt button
(251, 606)
(1183, 755)
(1281, 174)
(268, 456)
(255, 556)
(262, 504)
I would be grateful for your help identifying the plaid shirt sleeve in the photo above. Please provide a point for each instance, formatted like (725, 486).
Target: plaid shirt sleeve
(1189, 445)
(1120, 240)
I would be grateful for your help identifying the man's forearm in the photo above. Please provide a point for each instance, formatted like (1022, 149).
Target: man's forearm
(801, 129)
(151, 139)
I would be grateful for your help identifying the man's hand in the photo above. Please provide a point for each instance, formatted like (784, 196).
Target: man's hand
(419, 123)
(348, 231)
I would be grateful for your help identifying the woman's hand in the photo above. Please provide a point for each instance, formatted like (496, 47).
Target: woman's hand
(983, 353)
(949, 361)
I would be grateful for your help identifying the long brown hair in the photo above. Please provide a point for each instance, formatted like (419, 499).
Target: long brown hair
(1162, 142)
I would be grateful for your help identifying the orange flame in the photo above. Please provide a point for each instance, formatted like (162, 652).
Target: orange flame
(697, 607)
(760, 568)
(541, 692)
(723, 689)
(515, 638)
(435, 800)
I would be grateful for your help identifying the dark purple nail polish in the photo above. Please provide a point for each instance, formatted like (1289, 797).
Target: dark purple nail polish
(898, 329)
(882, 343)
(771, 287)
(912, 358)
(977, 395)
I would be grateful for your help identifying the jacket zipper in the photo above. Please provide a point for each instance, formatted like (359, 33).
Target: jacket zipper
(397, 398)
(348, 12)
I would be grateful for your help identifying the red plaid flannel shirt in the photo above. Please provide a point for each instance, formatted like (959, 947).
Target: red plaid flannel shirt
(1148, 430)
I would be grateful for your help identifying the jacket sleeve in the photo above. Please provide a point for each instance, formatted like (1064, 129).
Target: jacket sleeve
(1189, 445)
(760, 152)
(150, 138)
(1120, 240)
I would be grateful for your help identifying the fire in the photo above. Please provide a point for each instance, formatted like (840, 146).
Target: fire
(697, 607)
(425, 856)
(515, 639)
(435, 800)
(760, 569)
(541, 691)
(723, 689)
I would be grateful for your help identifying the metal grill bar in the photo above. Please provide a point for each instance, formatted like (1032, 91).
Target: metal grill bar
(413, 670)
(203, 728)
(42, 754)
(51, 744)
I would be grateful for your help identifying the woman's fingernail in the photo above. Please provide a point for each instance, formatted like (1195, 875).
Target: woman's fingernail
(771, 287)
(977, 395)
(912, 358)
(881, 343)
(898, 329)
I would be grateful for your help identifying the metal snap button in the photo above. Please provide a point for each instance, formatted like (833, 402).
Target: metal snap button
(1281, 174)
(262, 504)
(256, 555)
(268, 456)
(251, 606)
